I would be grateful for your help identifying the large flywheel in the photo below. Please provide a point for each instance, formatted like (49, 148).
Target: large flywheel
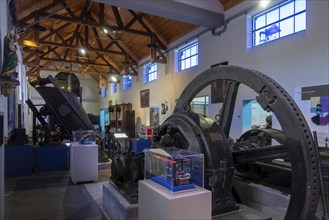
(223, 161)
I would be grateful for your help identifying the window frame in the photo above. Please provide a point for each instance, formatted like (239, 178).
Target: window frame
(275, 25)
(197, 103)
(148, 73)
(126, 82)
(188, 57)
(114, 88)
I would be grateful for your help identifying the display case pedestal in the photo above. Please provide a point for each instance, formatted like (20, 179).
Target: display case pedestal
(156, 202)
(84, 162)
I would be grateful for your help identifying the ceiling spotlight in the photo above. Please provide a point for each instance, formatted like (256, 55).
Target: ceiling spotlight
(114, 79)
(82, 51)
(264, 3)
(106, 31)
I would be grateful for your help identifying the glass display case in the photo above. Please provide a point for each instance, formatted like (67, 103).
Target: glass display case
(174, 168)
(84, 136)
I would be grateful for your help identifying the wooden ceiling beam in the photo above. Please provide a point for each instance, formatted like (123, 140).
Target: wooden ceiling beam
(99, 54)
(60, 37)
(54, 31)
(150, 26)
(50, 49)
(74, 61)
(124, 50)
(117, 16)
(95, 24)
(108, 63)
(68, 9)
(86, 7)
(36, 39)
(74, 47)
(71, 40)
(57, 54)
(43, 9)
(97, 38)
(101, 13)
(142, 23)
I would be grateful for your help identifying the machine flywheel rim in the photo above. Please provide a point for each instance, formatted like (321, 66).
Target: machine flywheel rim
(300, 144)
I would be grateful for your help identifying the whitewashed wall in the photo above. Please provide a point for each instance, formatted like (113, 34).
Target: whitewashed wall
(294, 61)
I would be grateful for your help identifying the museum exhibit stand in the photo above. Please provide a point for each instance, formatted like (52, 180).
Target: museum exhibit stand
(157, 202)
(18, 160)
(84, 156)
(84, 162)
(50, 158)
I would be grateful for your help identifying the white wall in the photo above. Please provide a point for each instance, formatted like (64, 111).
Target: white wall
(293, 61)
(3, 106)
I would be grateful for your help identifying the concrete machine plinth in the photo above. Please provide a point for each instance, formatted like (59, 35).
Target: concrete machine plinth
(116, 206)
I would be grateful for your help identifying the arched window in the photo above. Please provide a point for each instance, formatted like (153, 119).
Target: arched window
(68, 82)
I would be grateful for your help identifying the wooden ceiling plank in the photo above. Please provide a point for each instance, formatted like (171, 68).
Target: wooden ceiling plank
(44, 9)
(160, 36)
(107, 62)
(142, 23)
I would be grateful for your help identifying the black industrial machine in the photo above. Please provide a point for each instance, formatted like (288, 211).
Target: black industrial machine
(122, 119)
(61, 114)
(289, 166)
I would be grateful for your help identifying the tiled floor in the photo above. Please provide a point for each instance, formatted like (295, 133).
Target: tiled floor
(52, 195)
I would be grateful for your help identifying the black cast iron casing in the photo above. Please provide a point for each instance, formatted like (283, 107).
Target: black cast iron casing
(299, 144)
(197, 133)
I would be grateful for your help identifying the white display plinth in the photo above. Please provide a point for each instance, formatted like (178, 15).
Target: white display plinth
(83, 162)
(156, 202)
